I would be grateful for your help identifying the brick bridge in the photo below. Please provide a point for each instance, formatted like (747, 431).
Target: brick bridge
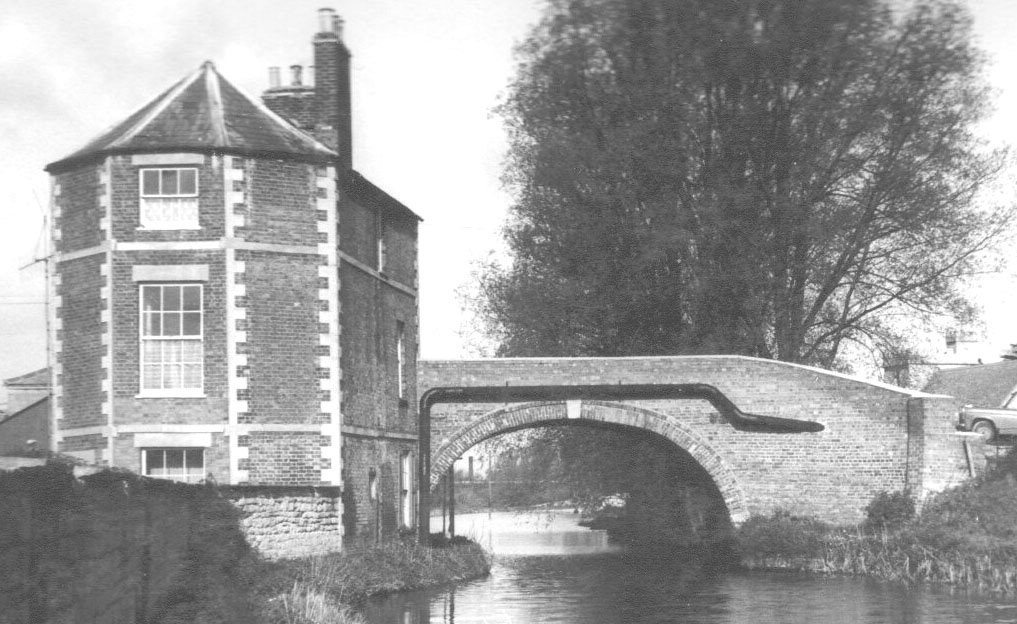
(875, 437)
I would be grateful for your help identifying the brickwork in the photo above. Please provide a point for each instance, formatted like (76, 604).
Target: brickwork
(294, 104)
(865, 447)
(281, 208)
(76, 194)
(282, 338)
(358, 231)
(282, 457)
(366, 519)
(80, 315)
(401, 248)
(370, 355)
(126, 202)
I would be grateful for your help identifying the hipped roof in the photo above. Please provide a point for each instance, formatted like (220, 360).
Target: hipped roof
(204, 112)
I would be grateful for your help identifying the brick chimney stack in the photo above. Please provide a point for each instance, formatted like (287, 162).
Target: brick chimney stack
(332, 101)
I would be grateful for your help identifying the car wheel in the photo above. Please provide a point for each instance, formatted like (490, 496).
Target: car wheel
(985, 429)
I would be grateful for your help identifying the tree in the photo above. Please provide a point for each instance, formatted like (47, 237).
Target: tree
(777, 178)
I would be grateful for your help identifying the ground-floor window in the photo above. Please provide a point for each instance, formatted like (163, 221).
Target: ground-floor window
(177, 464)
(406, 489)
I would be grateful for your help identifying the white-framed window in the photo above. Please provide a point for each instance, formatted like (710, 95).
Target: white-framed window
(406, 489)
(176, 464)
(172, 349)
(169, 198)
(401, 357)
(382, 244)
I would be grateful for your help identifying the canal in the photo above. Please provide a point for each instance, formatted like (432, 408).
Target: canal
(548, 569)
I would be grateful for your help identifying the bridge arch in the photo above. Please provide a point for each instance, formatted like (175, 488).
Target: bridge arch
(588, 412)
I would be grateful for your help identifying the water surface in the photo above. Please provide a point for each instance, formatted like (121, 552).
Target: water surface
(548, 569)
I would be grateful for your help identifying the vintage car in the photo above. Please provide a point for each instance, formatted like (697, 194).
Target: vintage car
(988, 423)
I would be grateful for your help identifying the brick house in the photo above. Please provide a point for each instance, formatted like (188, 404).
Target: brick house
(232, 301)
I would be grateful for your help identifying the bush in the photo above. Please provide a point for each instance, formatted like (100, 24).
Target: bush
(890, 510)
(782, 535)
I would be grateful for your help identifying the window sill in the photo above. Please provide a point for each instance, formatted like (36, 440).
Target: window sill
(170, 394)
(168, 228)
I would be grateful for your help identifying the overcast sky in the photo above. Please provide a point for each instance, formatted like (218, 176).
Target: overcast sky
(425, 78)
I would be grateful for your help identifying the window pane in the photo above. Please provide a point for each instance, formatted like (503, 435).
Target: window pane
(171, 298)
(151, 324)
(150, 182)
(175, 461)
(169, 182)
(192, 376)
(173, 377)
(171, 324)
(192, 297)
(151, 297)
(151, 377)
(192, 324)
(188, 182)
(194, 461)
(154, 461)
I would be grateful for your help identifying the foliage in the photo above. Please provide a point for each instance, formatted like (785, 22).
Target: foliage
(889, 510)
(782, 534)
(358, 572)
(964, 537)
(780, 179)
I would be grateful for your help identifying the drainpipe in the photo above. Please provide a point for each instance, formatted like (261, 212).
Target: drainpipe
(742, 421)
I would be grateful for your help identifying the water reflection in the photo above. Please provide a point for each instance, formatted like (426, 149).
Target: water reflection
(566, 579)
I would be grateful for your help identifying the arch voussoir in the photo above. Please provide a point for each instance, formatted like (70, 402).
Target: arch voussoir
(521, 416)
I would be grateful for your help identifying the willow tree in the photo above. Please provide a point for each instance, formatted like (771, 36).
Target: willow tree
(771, 178)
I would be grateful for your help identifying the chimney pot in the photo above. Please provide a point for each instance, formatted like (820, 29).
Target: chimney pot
(297, 71)
(326, 20)
(337, 26)
(273, 78)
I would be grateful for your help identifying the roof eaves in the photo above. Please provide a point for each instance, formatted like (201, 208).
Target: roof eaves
(363, 188)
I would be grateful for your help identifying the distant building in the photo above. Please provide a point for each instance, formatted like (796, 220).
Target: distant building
(231, 300)
(987, 385)
(26, 389)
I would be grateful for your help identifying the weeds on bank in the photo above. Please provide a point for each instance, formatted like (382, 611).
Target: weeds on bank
(327, 587)
(965, 537)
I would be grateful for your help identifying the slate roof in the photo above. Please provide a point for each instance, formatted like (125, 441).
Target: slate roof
(38, 378)
(203, 112)
(985, 385)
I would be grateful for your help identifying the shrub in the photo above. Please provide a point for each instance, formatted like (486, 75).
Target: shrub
(890, 510)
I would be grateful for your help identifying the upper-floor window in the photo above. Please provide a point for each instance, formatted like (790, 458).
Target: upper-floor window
(172, 353)
(401, 358)
(169, 198)
(382, 243)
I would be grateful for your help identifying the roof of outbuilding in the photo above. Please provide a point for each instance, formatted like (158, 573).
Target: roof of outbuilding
(203, 112)
(985, 385)
(35, 378)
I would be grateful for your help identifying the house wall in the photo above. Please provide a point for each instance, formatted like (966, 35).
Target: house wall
(30, 423)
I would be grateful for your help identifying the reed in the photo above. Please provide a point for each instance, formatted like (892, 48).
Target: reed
(965, 537)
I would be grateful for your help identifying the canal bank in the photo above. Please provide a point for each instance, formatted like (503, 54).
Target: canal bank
(965, 538)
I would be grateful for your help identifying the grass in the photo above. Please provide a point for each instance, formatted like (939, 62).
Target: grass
(965, 537)
(329, 588)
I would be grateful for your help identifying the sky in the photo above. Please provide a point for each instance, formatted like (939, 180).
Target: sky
(426, 76)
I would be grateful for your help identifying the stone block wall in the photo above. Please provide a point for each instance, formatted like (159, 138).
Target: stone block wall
(290, 522)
